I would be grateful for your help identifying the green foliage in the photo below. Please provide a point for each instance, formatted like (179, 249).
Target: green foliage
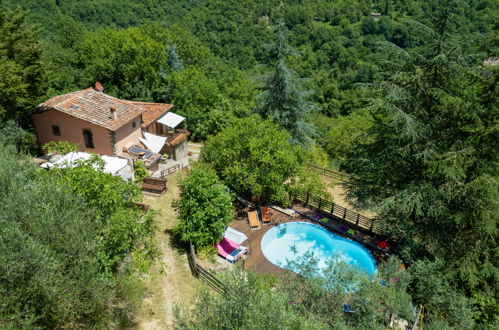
(254, 158)
(315, 300)
(124, 228)
(426, 159)
(300, 302)
(49, 275)
(22, 82)
(429, 286)
(308, 181)
(248, 305)
(140, 171)
(61, 147)
(60, 255)
(12, 134)
(122, 60)
(282, 100)
(198, 96)
(339, 135)
(207, 252)
(102, 191)
(174, 61)
(428, 164)
(205, 207)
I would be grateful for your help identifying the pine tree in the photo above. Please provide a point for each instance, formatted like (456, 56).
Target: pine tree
(282, 100)
(430, 164)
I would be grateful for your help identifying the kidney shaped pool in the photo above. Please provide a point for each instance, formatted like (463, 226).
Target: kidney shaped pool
(289, 241)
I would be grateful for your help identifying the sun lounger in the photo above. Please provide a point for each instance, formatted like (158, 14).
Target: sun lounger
(266, 219)
(253, 220)
(290, 212)
(229, 250)
(234, 235)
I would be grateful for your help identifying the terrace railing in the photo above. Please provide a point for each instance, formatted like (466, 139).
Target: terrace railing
(172, 135)
(173, 169)
(337, 212)
(328, 172)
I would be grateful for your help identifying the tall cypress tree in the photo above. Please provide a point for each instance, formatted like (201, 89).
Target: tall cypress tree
(431, 161)
(282, 99)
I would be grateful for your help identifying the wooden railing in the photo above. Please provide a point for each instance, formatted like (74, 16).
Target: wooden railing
(203, 274)
(328, 172)
(172, 169)
(330, 209)
(172, 136)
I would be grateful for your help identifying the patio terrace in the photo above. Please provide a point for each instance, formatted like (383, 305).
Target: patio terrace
(257, 262)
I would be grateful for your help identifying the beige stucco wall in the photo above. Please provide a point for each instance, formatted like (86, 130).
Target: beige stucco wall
(72, 131)
(126, 135)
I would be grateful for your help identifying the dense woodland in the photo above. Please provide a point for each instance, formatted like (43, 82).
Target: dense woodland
(404, 103)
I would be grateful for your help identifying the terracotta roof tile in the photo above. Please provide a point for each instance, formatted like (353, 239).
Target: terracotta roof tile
(95, 107)
(152, 111)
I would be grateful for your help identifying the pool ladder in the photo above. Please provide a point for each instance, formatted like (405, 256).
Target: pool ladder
(282, 232)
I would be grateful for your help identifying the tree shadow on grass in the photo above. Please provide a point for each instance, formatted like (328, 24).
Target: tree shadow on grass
(175, 243)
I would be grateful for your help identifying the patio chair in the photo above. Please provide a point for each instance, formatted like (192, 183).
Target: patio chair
(266, 218)
(253, 220)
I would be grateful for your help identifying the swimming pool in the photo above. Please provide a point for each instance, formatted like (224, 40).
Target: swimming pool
(290, 241)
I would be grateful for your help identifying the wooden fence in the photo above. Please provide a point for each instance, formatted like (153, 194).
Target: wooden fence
(337, 212)
(328, 172)
(203, 274)
(172, 169)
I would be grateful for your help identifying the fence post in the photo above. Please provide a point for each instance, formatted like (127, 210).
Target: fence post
(308, 196)
(332, 208)
(320, 203)
(372, 225)
(344, 213)
(358, 217)
(193, 259)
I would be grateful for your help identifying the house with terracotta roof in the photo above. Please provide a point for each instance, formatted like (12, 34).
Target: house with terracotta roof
(106, 125)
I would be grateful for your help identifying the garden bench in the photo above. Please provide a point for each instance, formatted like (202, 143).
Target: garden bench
(154, 185)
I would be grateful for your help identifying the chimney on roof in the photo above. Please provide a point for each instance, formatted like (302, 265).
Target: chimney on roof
(98, 87)
(114, 115)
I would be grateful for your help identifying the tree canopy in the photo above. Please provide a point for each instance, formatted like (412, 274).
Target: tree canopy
(63, 235)
(205, 207)
(427, 165)
(254, 158)
(23, 81)
(282, 99)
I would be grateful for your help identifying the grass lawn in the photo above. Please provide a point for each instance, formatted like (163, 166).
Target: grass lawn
(335, 188)
(169, 281)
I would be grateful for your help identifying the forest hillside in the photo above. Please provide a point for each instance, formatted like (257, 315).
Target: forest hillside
(400, 95)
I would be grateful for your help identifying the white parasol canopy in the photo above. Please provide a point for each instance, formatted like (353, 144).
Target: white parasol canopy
(153, 142)
(171, 119)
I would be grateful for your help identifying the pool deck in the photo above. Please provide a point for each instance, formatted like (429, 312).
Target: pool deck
(255, 260)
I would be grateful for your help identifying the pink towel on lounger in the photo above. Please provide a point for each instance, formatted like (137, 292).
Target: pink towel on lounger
(226, 247)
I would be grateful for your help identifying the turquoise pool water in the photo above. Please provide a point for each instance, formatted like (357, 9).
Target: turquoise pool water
(289, 241)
